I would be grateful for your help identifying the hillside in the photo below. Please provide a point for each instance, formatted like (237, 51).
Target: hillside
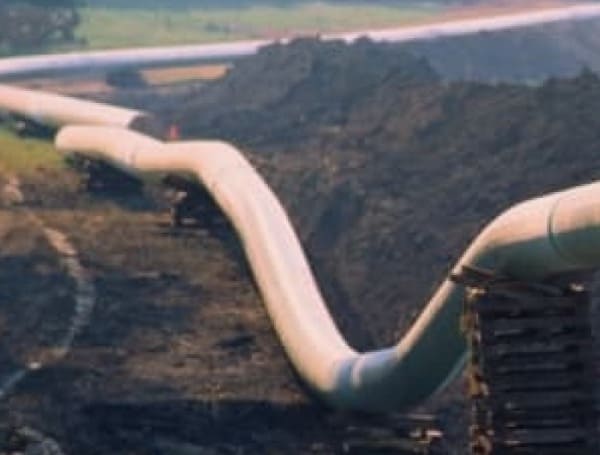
(523, 55)
(388, 172)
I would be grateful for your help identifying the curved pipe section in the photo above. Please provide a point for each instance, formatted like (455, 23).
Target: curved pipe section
(56, 110)
(553, 234)
(223, 52)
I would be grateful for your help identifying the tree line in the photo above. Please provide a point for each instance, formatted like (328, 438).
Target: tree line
(31, 24)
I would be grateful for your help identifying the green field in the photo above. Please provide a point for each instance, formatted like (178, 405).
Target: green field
(110, 27)
(22, 155)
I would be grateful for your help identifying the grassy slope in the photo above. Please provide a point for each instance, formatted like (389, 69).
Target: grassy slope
(23, 155)
(111, 27)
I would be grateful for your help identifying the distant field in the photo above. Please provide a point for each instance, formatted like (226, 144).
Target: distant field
(162, 76)
(22, 155)
(110, 27)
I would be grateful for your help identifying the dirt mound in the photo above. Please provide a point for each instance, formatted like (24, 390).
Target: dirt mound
(390, 174)
(318, 82)
(528, 55)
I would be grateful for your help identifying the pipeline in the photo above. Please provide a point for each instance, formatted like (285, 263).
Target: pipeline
(225, 52)
(540, 238)
(55, 110)
(543, 237)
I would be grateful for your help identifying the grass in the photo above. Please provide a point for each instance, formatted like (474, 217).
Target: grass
(105, 27)
(21, 155)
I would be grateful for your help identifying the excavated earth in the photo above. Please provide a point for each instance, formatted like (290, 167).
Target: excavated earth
(179, 356)
(387, 172)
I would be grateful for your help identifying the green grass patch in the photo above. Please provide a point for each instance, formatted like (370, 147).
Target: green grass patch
(22, 155)
(104, 27)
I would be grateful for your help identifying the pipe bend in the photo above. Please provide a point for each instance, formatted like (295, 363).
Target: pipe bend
(56, 110)
(521, 242)
(575, 226)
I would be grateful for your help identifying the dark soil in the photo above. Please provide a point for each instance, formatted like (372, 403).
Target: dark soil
(37, 295)
(179, 358)
(387, 172)
(529, 55)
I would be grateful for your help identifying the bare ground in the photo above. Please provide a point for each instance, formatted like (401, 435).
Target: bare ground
(179, 358)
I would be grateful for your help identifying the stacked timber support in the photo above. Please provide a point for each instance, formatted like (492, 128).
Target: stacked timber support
(390, 434)
(531, 367)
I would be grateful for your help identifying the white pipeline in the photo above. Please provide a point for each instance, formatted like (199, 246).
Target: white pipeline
(228, 51)
(55, 110)
(553, 234)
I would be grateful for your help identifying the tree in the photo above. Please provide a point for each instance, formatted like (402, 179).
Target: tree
(30, 24)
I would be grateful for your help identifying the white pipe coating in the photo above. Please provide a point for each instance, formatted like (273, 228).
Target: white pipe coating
(56, 110)
(179, 55)
(553, 234)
